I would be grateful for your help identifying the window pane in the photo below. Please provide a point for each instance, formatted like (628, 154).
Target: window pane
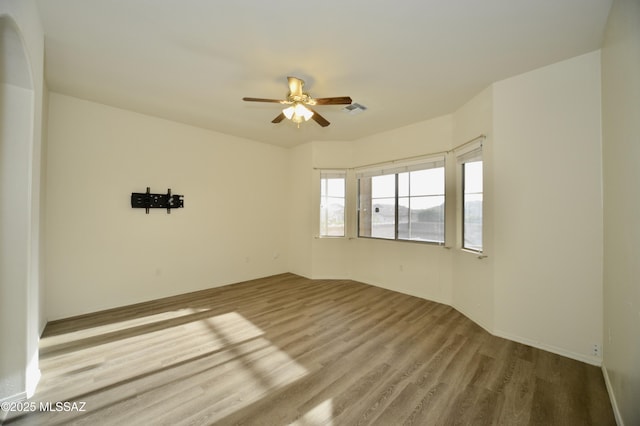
(473, 222)
(364, 207)
(332, 217)
(473, 177)
(427, 182)
(419, 211)
(383, 186)
(377, 204)
(472, 214)
(404, 213)
(332, 202)
(383, 218)
(403, 184)
(421, 218)
(335, 187)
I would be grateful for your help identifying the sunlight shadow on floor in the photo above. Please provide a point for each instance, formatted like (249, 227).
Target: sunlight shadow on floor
(222, 361)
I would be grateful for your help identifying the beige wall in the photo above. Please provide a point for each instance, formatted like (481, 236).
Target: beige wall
(15, 114)
(300, 230)
(331, 257)
(548, 207)
(102, 253)
(473, 276)
(621, 153)
(22, 80)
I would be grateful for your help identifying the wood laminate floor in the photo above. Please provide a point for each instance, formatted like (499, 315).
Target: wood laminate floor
(288, 350)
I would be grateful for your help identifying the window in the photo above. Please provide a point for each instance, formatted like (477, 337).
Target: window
(472, 199)
(403, 202)
(332, 197)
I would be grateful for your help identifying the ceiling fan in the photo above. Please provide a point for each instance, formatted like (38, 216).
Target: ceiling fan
(299, 104)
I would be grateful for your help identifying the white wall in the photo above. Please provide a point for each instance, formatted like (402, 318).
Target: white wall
(300, 228)
(22, 58)
(15, 110)
(101, 253)
(42, 293)
(473, 277)
(621, 152)
(331, 257)
(548, 207)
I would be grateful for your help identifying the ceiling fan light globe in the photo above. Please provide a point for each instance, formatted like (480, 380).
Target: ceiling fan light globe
(303, 111)
(289, 112)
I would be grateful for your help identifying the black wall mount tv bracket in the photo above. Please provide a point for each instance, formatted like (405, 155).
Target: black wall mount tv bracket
(147, 200)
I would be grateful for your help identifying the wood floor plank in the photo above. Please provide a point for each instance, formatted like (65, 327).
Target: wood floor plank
(289, 350)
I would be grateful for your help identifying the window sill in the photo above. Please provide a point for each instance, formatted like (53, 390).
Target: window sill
(428, 243)
(479, 254)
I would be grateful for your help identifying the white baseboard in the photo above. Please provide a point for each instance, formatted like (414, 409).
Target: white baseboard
(328, 277)
(612, 396)
(550, 348)
(22, 396)
(32, 382)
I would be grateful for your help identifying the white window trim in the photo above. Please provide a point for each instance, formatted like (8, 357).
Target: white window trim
(401, 166)
(466, 153)
(332, 174)
(426, 162)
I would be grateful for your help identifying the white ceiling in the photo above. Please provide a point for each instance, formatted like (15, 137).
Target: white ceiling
(192, 61)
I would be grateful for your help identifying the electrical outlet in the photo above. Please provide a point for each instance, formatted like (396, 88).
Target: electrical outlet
(596, 350)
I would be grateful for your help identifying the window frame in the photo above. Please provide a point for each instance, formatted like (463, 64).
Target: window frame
(332, 174)
(472, 154)
(396, 169)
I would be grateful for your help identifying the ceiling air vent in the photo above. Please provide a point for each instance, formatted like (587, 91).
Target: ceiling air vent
(354, 108)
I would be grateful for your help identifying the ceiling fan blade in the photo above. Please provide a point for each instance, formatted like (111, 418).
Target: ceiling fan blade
(295, 86)
(338, 100)
(318, 118)
(278, 119)
(277, 101)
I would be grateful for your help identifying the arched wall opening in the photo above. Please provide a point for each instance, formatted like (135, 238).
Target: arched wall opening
(19, 371)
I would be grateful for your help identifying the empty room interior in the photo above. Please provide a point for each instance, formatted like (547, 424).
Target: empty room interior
(335, 213)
